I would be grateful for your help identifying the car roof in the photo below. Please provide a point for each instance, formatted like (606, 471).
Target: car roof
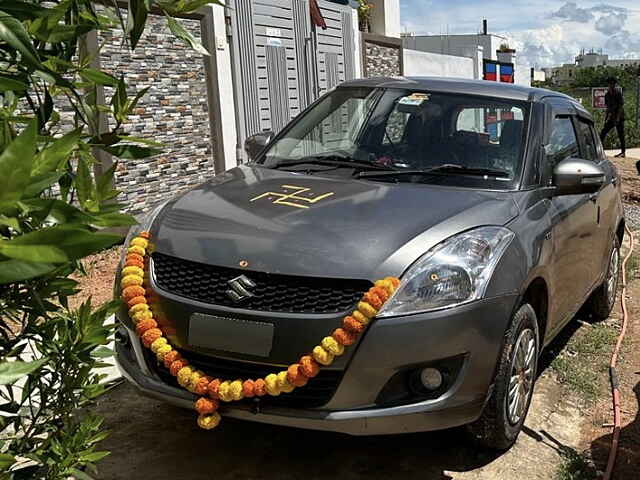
(461, 85)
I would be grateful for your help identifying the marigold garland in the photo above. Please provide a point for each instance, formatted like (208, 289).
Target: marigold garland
(213, 390)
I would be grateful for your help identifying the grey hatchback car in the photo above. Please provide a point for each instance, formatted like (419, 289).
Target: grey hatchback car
(494, 204)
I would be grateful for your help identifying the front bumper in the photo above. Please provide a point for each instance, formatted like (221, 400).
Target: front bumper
(390, 345)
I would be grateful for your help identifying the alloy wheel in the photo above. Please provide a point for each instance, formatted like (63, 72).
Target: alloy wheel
(612, 275)
(521, 380)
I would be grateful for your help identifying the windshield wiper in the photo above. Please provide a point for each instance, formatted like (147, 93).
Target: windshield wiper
(440, 170)
(332, 160)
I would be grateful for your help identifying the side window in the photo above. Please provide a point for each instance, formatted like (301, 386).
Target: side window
(563, 142)
(585, 131)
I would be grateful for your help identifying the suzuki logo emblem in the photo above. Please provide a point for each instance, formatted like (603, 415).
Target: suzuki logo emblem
(239, 288)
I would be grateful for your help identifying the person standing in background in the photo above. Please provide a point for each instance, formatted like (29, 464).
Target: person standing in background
(614, 117)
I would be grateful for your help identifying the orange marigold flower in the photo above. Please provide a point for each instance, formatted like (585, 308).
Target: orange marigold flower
(131, 292)
(177, 365)
(344, 337)
(134, 256)
(350, 324)
(171, 357)
(259, 388)
(295, 376)
(373, 300)
(136, 300)
(380, 292)
(248, 388)
(145, 234)
(206, 406)
(309, 367)
(212, 388)
(201, 386)
(150, 336)
(145, 325)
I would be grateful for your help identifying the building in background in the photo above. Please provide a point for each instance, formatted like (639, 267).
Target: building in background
(492, 57)
(564, 74)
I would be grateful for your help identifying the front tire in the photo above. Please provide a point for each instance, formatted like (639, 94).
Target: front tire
(603, 299)
(504, 414)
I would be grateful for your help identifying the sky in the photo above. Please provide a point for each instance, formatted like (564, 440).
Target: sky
(544, 32)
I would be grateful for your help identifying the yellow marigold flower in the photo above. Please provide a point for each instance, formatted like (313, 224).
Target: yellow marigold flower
(283, 382)
(162, 351)
(224, 392)
(367, 310)
(360, 317)
(160, 342)
(132, 270)
(331, 346)
(137, 308)
(130, 281)
(193, 380)
(321, 356)
(140, 316)
(139, 242)
(235, 390)
(209, 421)
(184, 375)
(135, 249)
(386, 284)
(271, 384)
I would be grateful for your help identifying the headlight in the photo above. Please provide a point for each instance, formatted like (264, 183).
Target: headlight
(454, 272)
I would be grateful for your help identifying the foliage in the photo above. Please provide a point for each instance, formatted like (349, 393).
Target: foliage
(53, 208)
(364, 14)
(588, 78)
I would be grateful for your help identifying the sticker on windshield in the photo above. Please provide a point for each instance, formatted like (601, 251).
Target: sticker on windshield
(415, 99)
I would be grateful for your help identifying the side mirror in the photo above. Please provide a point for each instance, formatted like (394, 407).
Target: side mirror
(254, 144)
(575, 176)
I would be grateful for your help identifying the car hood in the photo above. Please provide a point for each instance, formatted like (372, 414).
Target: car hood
(314, 225)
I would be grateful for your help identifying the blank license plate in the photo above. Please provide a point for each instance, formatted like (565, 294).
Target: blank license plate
(231, 334)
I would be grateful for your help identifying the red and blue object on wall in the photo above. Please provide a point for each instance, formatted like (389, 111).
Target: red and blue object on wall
(506, 73)
(491, 71)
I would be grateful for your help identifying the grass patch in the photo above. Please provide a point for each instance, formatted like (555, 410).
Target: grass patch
(583, 364)
(632, 267)
(575, 467)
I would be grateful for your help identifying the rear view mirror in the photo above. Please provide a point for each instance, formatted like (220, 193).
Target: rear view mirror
(575, 176)
(254, 144)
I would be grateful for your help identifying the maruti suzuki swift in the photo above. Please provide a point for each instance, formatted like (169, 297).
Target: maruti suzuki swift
(493, 204)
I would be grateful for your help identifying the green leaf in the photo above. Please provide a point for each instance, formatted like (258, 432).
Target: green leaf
(32, 253)
(55, 155)
(23, 10)
(73, 242)
(80, 475)
(10, 222)
(13, 33)
(41, 182)
(12, 271)
(9, 83)
(6, 461)
(131, 151)
(93, 456)
(15, 164)
(113, 220)
(98, 77)
(137, 98)
(136, 20)
(183, 34)
(84, 185)
(12, 371)
(119, 101)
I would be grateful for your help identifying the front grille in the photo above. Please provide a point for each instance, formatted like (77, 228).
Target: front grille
(316, 393)
(272, 292)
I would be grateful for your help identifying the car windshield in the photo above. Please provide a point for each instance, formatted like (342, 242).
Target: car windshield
(461, 140)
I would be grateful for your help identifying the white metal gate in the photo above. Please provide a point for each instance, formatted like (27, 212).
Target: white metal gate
(282, 62)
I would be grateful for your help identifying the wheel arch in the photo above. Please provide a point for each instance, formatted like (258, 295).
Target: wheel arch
(537, 295)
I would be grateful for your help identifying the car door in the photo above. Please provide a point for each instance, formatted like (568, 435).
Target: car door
(605, 199)
(573, 227)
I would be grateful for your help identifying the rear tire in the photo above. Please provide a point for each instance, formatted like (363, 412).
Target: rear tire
(504, 414)
(603, 299)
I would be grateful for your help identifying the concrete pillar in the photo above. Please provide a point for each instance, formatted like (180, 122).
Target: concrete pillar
(385, 18)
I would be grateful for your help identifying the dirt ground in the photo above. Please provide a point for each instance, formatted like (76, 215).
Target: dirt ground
(565, 438)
